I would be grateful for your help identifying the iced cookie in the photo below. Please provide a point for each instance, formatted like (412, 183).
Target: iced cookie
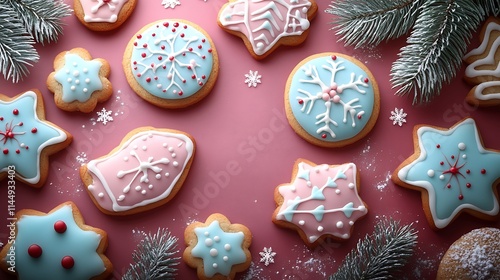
(55, 246)
(145, 171)
(475, 255)
(320, 202)
(79, 82)
(217, 249)
(103, 15)
(453, 171)
(483, 70)
(27, 139)
(331, 100)
(264, 25)
(171, 63)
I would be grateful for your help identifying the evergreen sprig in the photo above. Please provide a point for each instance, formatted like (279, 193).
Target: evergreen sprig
(380, 255)
(154, 257)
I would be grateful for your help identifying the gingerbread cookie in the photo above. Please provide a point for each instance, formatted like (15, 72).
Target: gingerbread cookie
(267, 24)
(483, 70)
(27, 139)
(55, 246)
(331, 100)
(79, 82)
(171, 63)
(454, 172)
(145, 171)
(103, 15)
(217, 248)
(321, 201)
(475, 255)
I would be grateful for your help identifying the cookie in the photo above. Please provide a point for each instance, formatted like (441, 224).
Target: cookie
(475, 255)
(331, 100)
(171, 63)
(145, 171)
(453, 171)
(320, 202)
(27, 139)
(265, 25)
(103, 15)
(56, 246)
(483, 71)
(79, 82)
(217, 249)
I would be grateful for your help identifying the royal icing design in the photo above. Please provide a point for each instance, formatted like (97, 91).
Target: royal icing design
(79, 78)
(172, 60)
(142, 171)
(331, 98)
(219, 250)
(477, 69)
(265, 22)
(457, 172)
(102, 10)
(23, 136)
(322, 200)
(54, 247)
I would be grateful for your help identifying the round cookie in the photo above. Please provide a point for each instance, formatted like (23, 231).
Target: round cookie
(475, 255)
(331, 100)
(103, 15)
(145, 171)
(265, 25)
(217, 249)
(320, 202)
(55, 246)
(171, 63)
(79, 82)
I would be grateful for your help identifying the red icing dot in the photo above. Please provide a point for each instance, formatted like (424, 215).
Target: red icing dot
(182, 35)
(173, 29)
(165, 24)
(452, 157)
(139, 36)
(160, 57)
(460, 197)
(210, 50)
(171, 58)
(35, 251)
(448, 186)
(203, 40)
(200, 83)
(1, 118)
(5, 151)
(334, 57)
(143, 55)
(366, 80)
(176, 24)
(483, 171)
(323, 136)
(181, 93)
(190, 49)
(15, 112)
(148, 79)
(154, 34)
(135, 44)
(60, 226)
(145, 45)
(193, 77)
(18, 151)
(468, 185)
(359, 117)
(467, 171)
(183, 81)
(34, 130)
(162, 47)
(301, 101)
(189, 67)
(203, 57)
(438, 146)
(67, 262)
(199, 47)
(203, 77)
(185, 26)
(442, 163)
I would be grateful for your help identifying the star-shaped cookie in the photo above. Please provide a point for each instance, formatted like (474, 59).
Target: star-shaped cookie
(454, 172)
(27, 139)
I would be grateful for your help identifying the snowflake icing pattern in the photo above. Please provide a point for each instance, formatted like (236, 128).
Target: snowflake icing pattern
(170, 3)
(104, 116)
(398, 116)
(252, 78)
(267, 256)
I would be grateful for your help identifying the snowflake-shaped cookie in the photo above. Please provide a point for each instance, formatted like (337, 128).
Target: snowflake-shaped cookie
(454, 170)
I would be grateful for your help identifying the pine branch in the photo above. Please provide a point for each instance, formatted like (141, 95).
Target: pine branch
(435, 47)
(16, 46)
(154, 258)
(368, 23)
(379, 255)
(42, 18)
(490, 7)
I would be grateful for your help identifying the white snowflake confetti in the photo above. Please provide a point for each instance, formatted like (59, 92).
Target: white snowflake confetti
(104, 116)
(267, 256)
(170, 3)
(1, 244)
(81, 158)
(398, 117)
(252, 78)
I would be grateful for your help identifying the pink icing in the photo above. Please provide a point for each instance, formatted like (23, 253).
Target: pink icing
(322, 200)
(102, 10)
(142, 171)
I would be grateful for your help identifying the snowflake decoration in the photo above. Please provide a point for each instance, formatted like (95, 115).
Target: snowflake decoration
(81, 158)
(398, 117)
(267, 255)
(170, 3)
(252, 78)
(104, 116)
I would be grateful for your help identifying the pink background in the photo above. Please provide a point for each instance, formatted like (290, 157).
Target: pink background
(243, 137)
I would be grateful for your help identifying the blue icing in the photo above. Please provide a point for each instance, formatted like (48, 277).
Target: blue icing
(348, 209)
(331, 119)
(318, 212)
(317, 193)
(23, 148)
(171, 62)
(79, 78)
(469, 158)
(80, 245)
(219, 250)
(303, 174)
(331, 183)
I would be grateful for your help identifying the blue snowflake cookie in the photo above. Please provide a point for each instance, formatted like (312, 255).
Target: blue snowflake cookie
(331, 100)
